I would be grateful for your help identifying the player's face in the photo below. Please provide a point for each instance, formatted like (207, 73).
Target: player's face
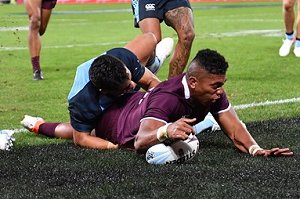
(208, 88)
(127, 86)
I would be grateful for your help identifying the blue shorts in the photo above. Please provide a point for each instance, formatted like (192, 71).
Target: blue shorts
(48, 4)
(143, 9)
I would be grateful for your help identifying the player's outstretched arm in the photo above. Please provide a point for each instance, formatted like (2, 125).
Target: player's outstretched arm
(84, 139)
(242, 139)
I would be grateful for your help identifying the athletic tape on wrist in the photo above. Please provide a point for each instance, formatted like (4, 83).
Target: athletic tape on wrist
(162, 133)
(110, 145)
(253, 149)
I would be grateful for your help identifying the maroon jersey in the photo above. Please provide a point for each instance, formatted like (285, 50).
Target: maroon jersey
(167, 102)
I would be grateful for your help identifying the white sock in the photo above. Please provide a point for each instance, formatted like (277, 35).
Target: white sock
(203, 125)
(154, 66)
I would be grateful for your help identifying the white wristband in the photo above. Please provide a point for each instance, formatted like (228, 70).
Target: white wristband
(162, 133)
(110, 145)
(253, 149)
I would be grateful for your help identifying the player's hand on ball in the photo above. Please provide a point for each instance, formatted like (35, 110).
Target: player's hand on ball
(274, 152)
(177, 152)
(181, 129)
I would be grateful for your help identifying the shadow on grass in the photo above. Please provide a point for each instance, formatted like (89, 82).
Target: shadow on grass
(219, 171)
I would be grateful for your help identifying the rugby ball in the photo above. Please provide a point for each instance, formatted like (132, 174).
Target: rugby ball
(177, 152)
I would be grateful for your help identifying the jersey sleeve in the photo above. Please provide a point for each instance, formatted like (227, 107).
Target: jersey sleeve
(166, 107)
(83, 115)
(79, 123)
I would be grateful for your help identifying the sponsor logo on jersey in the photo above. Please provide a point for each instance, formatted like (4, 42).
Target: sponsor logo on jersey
(150, 7)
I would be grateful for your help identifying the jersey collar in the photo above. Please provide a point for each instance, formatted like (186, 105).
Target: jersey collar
(187, 94)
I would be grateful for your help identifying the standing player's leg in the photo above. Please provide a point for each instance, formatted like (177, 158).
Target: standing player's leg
(143, 46)
(289, 19)
(152, 25)
(39, 13)
(297, 43)
(33, 8)
(181, 20)
(45, 17)
(147, 17)
(162, 48)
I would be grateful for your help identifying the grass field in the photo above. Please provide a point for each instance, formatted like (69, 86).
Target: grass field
(248, 34)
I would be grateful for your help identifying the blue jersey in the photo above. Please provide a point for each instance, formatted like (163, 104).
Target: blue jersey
(86, 103)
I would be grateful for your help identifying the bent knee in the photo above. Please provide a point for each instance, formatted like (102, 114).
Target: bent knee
(151, 37)
(190, 35)
(35, 22)
(187, 37)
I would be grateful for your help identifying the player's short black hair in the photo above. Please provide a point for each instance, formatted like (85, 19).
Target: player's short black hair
(211, 61)
(108, 73)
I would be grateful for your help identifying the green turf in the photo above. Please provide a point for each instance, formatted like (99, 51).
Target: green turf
(256, 74)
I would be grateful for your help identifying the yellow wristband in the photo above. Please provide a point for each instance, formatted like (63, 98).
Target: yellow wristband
(162, 133)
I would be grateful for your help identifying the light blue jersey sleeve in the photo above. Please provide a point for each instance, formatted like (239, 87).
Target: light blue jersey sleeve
(81, 77)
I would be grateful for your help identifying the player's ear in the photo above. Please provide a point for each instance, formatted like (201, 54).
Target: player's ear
(192, 81)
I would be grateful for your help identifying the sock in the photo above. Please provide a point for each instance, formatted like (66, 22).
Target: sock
(289, 36)
(35, 62)
(151, 60)
(153, 64)
(201, 126)
(48, 129)
(297, 43)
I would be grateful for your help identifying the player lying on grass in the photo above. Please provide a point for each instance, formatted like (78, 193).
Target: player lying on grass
(99, 81)
(167, 112)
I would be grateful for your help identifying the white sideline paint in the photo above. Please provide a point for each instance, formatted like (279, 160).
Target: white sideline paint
(92, 11)
(66, 46)
(237, 107)
(267, 103)
(19, 28)
(266, 33)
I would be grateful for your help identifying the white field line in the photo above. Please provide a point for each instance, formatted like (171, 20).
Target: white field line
(237, 107)
(92, 11)
(267, 103)
(272, 33)
(17, 28)
(66, 46)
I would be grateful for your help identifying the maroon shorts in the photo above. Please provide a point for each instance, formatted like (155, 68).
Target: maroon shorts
(48, 4)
